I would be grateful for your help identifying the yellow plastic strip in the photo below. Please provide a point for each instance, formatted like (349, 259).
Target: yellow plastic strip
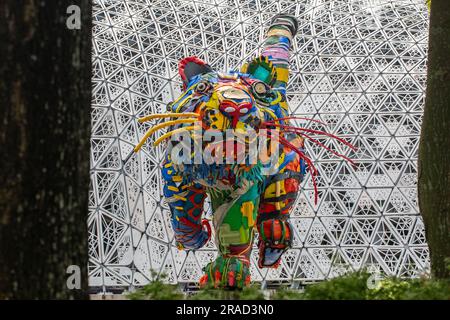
(271, 113)
(167, 115)
(171, 133)
(160, 126)
(282, 74)
(183, 101)
(277, 194)
(278, 99)
(179, 197)
(177, 179)
(183, 96)
(280, 33)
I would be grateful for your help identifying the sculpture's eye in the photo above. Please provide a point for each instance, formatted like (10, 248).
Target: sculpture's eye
(203, 87)
(260, 89)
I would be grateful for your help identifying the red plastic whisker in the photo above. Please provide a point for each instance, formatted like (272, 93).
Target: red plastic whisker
(329, 149)
(316, 132)
(308, 161)
(326, 148)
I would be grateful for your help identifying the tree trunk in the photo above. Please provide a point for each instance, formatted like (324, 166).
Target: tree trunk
(434, 153)
(45, 93)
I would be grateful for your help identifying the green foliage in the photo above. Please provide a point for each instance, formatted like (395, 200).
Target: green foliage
(287, 294)
(352, 286)
(416, 289)
(252, 292)
(157, 290)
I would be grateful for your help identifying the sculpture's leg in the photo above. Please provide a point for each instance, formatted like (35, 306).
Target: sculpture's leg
(234, 220)
(186, 205)
(280, 192)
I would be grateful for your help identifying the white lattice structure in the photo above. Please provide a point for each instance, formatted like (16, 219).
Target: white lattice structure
(358, 65)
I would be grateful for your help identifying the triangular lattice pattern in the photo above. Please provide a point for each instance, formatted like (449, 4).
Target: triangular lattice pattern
(358, 65)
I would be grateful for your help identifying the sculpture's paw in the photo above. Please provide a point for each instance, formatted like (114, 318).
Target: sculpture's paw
(227, 272)
(189, 236)
(275, 238)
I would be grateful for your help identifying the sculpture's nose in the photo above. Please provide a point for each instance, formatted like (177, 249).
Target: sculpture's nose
(234, 110)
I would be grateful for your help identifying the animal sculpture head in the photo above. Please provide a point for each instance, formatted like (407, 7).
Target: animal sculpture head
(233, 100)
(231, 109)
(231, 112)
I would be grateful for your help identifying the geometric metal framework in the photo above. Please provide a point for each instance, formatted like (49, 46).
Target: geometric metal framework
(359, 66)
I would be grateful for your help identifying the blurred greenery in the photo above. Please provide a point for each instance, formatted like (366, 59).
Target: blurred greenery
(352, 286)
(157, 290)
(416, 289)
(252, 292)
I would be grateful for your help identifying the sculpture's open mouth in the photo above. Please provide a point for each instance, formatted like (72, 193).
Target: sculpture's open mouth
(231, 151)
(225, 162)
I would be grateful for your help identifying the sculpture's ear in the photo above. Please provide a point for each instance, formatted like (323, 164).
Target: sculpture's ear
(190, 67)
(261, 68)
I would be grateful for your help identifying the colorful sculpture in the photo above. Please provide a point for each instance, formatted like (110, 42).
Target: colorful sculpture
(243, 198)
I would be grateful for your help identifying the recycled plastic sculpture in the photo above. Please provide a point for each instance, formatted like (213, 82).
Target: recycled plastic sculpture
(243, 196)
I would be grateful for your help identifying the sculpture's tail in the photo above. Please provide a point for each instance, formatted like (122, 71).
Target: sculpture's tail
(278, 43)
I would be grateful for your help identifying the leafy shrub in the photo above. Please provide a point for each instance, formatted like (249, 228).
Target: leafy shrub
(352, 286)
(284, 293)
(414, 289)
(252, 292)
(157, 290)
